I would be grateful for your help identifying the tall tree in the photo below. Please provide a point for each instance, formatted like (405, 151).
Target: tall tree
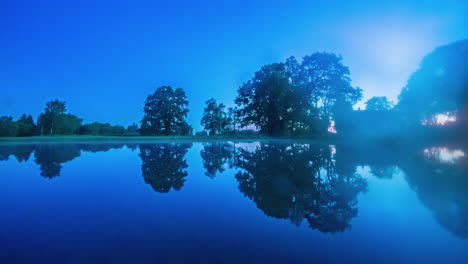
(328, 82)
(215, 119)
(378, 103)
(48, 120)
(233, 118)
(165, 112)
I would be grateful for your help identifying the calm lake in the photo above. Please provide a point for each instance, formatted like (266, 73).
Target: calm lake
(253, 202)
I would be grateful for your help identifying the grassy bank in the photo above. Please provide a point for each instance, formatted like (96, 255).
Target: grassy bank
(136, 139)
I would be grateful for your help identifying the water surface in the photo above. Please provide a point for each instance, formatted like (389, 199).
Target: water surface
(275, 202)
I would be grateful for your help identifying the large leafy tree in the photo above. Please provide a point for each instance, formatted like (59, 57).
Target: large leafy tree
(215, 119)
(165, 112)
(439, 86)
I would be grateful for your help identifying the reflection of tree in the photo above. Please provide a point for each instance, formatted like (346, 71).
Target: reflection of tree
(164, 165)
(439, 175)
(99, 147)
(215, 156)
(49, 157)
(301, 181)
(441, 186)
(22, 153)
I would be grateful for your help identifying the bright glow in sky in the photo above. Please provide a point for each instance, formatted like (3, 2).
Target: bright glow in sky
(103, 58)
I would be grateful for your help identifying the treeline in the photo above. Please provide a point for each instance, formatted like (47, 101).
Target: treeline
(56, 121)
(309, 98)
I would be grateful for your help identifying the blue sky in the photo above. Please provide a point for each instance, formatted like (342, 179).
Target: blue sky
(104, 57)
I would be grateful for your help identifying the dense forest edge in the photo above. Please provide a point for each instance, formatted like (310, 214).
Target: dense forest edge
(311, 99)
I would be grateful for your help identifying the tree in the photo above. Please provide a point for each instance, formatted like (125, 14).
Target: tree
(328, 82)
(25, 125)
(215, 119)
(292, 98)
(165, 112)
(439, 86)
(48, 120)
(266, 100)
(8, 127)
(133, 129)
(378, 103)
(55, 120)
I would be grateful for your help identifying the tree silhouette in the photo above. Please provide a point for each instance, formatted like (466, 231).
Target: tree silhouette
(165, 112)
(164, 165)
(439, 86)
(215, 119)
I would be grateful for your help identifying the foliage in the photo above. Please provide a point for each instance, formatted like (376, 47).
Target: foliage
(440, 85)
(292, 98)
(55, 120)
(26, 126)
(378, 103)
(102, 129)
(215, 119)
(133, 129)
(165, 112)
(8, 127)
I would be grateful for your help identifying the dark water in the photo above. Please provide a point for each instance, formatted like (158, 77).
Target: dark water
(274, 202)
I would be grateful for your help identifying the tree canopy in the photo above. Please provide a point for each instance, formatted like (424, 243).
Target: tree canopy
(215, 119)
(165, 112)
(378, 103)
(292, 98)
(439, 86)
(55, 120)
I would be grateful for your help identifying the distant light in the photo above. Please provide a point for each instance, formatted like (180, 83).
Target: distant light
(443, 119)
(331, 127)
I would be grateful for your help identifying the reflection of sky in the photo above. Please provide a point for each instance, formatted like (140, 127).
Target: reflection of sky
(444, 154)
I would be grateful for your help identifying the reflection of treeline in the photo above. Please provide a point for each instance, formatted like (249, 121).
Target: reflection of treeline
(318, 183)
(300, 182)
(50, 157)
(437, 172)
